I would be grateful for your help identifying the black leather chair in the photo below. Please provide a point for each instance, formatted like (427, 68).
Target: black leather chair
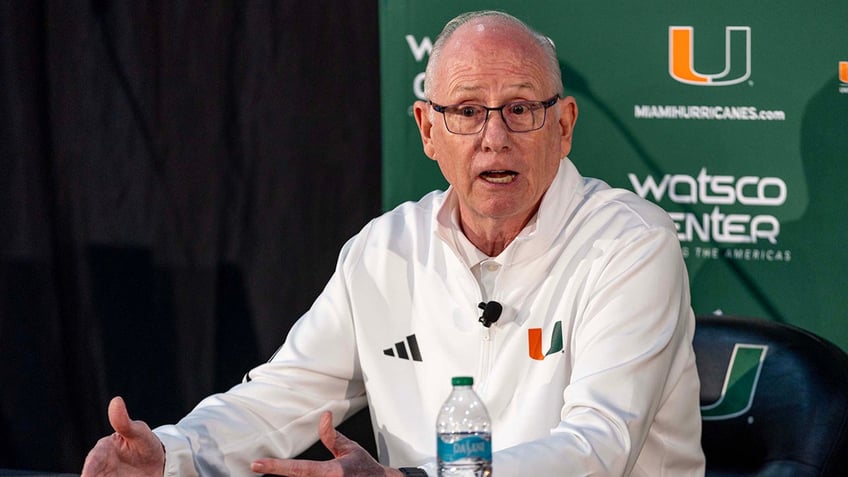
(774, 399)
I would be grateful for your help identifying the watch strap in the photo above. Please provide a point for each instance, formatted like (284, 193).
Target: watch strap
(413, 472)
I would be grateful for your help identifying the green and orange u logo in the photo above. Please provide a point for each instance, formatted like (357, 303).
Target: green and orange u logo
(681, 57)
(843, 71)
(534, 340)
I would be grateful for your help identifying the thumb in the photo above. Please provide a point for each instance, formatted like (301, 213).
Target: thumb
(119, 418)
(333, 440)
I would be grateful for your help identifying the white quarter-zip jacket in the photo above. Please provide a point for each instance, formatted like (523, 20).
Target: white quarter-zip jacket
(589, 370)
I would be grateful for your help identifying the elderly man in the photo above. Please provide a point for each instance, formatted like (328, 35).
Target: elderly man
(589, 370)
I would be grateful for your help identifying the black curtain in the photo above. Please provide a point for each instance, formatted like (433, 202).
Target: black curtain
(176, 180)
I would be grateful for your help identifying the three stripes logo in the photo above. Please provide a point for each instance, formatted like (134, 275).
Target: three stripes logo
(737, 57)
(401, 350)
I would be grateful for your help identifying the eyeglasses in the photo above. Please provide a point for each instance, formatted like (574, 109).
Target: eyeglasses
(519, 116)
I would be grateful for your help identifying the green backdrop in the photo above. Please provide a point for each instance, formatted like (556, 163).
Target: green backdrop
(732, 115)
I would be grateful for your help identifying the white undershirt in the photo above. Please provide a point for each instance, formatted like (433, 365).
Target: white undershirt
(485, 269)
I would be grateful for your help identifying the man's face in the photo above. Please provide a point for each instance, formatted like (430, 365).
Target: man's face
(498, 174)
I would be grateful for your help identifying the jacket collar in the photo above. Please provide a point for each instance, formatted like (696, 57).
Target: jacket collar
(557, 206)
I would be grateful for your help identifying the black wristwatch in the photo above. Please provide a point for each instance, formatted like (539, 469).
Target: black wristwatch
(413, 472)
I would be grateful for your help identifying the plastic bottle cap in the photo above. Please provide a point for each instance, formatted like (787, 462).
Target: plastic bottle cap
(462, 381)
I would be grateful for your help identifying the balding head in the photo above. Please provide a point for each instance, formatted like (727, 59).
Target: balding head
(491, 19)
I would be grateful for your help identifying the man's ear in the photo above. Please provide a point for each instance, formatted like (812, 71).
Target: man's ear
(421, 111)
(567, 118)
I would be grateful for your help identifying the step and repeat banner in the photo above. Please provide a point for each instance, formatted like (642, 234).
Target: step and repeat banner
(731, 115)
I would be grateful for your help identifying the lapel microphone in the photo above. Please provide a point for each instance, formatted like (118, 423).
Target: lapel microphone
(491, 312)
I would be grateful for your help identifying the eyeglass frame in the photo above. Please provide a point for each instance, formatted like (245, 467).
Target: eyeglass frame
(545, 105)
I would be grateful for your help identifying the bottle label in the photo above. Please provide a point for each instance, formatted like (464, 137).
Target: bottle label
(471, 447)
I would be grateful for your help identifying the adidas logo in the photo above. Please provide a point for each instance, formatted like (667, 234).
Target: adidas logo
(400, 347)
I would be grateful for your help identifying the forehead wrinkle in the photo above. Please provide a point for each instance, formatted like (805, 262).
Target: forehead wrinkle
(496, 50)
(477, 77)
(477, 89)
(464, 86)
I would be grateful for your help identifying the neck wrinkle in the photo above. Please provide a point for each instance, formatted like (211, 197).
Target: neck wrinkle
(493, 240)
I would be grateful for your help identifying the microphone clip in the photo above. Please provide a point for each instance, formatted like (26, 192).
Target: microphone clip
(491, 312)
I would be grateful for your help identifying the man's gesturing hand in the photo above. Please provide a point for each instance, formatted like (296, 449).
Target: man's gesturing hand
(351, 460)
(133, 450)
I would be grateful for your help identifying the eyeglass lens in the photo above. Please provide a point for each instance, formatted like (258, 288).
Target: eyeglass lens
(520, 116)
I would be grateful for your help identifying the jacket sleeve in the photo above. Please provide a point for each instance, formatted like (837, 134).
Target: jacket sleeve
(275, 411)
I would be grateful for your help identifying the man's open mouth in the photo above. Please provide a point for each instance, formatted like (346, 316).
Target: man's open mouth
(499, 177)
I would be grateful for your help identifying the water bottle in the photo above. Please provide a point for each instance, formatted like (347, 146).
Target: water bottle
(464, 433)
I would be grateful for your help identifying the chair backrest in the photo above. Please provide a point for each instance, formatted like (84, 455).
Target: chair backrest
(774, 399)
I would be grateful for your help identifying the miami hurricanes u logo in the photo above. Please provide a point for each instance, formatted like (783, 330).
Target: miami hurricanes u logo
(681, 57)
(843, 72)
(534, 340)
(740, 383)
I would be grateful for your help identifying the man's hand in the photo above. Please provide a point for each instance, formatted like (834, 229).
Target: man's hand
(351, 460)
(132, 451)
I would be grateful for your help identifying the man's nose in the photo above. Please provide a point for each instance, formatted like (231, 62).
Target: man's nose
(496, 135)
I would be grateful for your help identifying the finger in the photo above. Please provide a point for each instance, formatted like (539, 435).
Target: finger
(336, 442)
(119, 418)
(291, 467)
(327, 433)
